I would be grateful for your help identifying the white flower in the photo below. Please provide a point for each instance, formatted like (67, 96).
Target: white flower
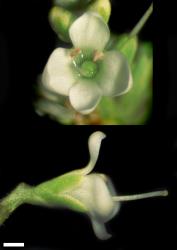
(78, 190)
(87, 72)
(96, 191)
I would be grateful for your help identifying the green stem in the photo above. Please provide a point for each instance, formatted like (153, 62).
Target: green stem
(12, 201)
(142, 22)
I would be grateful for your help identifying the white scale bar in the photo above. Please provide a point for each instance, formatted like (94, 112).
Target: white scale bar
(13, 244)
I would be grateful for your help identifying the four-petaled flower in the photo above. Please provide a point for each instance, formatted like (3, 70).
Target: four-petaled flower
(83, 191)
(87, 72)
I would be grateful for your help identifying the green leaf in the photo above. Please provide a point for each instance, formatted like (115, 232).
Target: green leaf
(61, 20)
(127, 46)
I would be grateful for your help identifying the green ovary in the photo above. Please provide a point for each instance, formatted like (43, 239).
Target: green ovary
(88, 69)
(84, 64)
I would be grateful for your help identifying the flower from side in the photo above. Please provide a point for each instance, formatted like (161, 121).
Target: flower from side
(83, 191)
(87, 72)
(86, 192)
(79, 190)
(96, 191)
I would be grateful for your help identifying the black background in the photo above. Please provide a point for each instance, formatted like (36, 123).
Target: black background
(35, 149)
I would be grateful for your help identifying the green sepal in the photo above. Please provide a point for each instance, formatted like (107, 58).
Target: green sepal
(127, 46)
(60, 184)
(52, 193)
(49, 199)
(55, 192)
(102, 7)
(60, 20)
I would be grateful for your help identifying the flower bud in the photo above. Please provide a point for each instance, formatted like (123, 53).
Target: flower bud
(60, 20)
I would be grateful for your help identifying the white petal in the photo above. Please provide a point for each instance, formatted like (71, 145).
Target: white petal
(94, 144)
(95, 193)
(58, 75)
(112, 192)
(84, 96)
(100, 230)
(114, 76)
(104, 205)
(89, 32)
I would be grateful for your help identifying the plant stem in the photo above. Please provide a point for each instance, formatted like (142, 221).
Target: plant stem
(141, 22)
(12, 201)
(140, 196)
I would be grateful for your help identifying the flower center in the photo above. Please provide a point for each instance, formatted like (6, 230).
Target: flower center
(85, 62)
(88, 69)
